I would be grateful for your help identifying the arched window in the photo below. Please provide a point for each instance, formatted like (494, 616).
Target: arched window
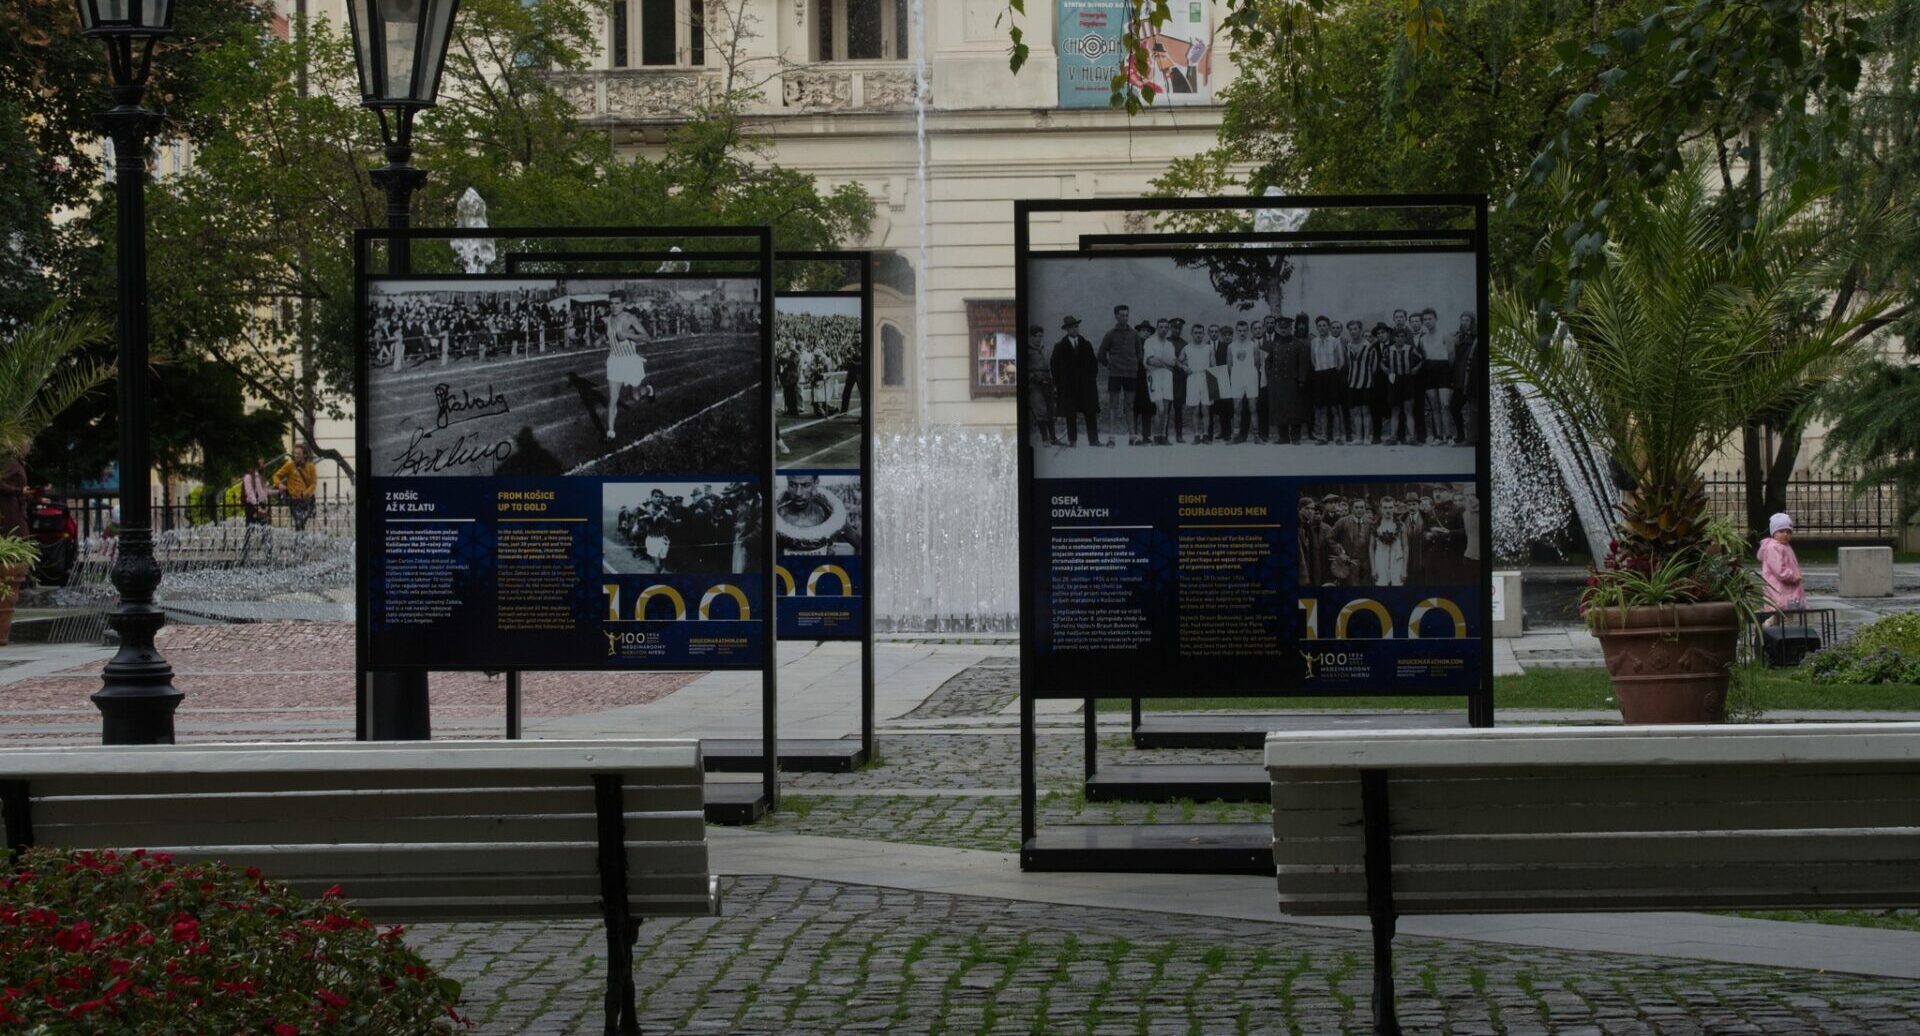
(893, 356)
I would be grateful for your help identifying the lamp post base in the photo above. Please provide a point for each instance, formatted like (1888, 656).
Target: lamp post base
(137, 716)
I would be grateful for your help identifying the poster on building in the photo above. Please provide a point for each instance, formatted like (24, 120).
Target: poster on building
(1090, 51)
(819, 501)
(1092, 36)
(565, 472)
(1256, 470)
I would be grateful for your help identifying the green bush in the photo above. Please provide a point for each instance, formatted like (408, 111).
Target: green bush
(1886, 651)
(105, 942)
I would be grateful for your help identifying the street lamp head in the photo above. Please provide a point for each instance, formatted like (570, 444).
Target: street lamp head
(132, 18)
(401, 47)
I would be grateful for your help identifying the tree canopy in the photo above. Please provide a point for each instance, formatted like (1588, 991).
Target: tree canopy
(250, 244)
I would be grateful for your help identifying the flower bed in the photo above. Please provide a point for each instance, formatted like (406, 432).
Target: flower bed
(1886, 651)
(105, 942)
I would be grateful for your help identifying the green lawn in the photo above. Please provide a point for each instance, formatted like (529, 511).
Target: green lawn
(1575, 689)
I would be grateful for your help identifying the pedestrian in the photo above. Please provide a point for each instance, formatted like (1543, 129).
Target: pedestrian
(1780, 568)
(255, 495)
(298, 480)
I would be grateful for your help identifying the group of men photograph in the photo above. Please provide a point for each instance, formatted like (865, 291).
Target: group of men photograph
(1374, 534)
(1406, 380)
(699, 531)
(809, 349)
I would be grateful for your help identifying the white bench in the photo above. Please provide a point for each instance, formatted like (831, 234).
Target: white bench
(476, 830)
(1549, 819)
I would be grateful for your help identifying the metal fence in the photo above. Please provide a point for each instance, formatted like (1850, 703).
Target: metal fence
(1820, 506)
(332, 512)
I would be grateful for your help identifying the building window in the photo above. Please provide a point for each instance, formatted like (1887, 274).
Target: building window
(893, 356)
(992, 347)
(658, 45)
(667, 33)
(863, 30)
(619, 33)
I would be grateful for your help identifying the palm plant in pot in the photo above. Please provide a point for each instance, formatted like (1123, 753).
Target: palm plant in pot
(1692, 327)
(44, 369)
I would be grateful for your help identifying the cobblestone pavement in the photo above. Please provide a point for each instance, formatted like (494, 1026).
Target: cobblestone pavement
(980, 690)
(267, 673)
(961, 790)
(793, 956)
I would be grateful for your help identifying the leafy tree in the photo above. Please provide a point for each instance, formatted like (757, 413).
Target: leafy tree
(251, 247)
(1786, 97)
(1678, 339)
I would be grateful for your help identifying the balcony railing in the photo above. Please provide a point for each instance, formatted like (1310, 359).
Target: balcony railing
(672, 94)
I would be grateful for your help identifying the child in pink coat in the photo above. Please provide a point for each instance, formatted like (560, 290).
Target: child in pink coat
(1780, 567)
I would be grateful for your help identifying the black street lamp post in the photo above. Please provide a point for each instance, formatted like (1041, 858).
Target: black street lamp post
(136, 696)
(401, 48)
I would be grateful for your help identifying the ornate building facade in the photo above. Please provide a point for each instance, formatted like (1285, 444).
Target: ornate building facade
(913, 100)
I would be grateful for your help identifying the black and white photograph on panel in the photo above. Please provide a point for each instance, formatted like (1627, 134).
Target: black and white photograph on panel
(1253, 361)
(563, 376)
(663, 528)
(817, 514)
(819, 360)
(1389, 534)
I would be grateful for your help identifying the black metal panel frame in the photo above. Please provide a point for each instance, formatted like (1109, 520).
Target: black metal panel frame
(1479, 701)
(761, 256)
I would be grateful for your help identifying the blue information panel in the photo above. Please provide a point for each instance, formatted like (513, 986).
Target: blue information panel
(1255, 472)
(566, 472)
(819, 512)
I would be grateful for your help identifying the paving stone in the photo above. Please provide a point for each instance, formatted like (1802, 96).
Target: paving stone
(925, 963)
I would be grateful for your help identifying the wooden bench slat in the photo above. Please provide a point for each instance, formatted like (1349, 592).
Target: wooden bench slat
(215, 830)
(262, 760)
(1548, 850)
(1612, 747)
(1884, 877)
(533, 861)
(1423, 790)
(1340, 905)
(65, 785)
(1466, 818)
(363, 804)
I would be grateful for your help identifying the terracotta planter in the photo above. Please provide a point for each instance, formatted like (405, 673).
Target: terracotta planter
(11, 576)
(1670, 664)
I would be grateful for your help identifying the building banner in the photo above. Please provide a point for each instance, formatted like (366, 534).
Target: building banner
(1179, 55)
(565, 472)
(1259, 478)
(1090, 33)
(819, 518)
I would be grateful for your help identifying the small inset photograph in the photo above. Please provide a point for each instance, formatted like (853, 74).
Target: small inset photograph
(818, 514)
(820, 361)
(652, 528)
(1389, 534)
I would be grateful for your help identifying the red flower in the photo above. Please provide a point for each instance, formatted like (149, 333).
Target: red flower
(186, 931)
(284, 1029)
(330, 998)
(333, 892)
